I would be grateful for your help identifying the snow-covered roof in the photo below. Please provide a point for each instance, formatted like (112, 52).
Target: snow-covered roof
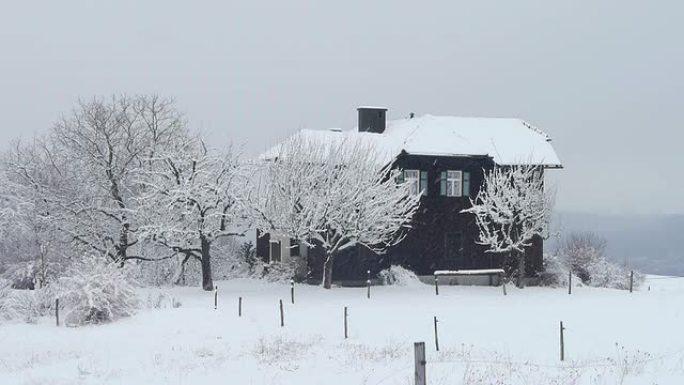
(507, 141)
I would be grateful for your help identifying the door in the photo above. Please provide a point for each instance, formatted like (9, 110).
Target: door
(275, 251)
(453, 250)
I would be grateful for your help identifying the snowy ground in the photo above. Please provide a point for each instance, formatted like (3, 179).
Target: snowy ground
(612, 337)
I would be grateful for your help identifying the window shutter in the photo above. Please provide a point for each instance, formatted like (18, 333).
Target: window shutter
(466, 184)
(424, 182)
(442, 183)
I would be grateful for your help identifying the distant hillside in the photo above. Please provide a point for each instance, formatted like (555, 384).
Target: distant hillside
(649, 243)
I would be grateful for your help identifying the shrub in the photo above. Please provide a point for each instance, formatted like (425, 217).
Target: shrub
(27, 305)
(161, 300)
(398, 276)
(583, 249)
(584, 254)
(604, 273)
(279, 271)
(94, 292)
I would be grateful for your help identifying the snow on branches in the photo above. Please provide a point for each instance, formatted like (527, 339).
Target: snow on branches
(194, 197)
(84, 173)
(94, 291)
(334, 196)
(511, 209)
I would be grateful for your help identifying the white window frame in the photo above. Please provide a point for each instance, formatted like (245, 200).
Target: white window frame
(454, 183)
(414, 180)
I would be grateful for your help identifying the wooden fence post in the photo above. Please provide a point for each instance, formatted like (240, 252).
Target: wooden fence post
(436, 285)
(569, 282)
(503, 284)
(631, 281)
(240, 307)
(216, 298)
(345, 323)
(419, 365)
(562, 343)
(282, 315)
(292, 290)
(436, 336)
(368, 283)
(57, 311)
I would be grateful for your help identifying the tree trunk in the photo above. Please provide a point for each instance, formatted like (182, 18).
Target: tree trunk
(207, 281)
(521, 269)
(328, 271)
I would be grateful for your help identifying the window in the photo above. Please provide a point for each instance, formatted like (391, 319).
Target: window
(412, 177)
(417, 180)
(454, 183)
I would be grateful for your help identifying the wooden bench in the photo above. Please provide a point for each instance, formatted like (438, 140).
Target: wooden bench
(491, 273)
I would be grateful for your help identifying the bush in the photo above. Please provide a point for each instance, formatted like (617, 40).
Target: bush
(398, 276)
(95, 292)
(278, 271)
(26, 305)
(607, 274)
(161, 300)
(584, 254)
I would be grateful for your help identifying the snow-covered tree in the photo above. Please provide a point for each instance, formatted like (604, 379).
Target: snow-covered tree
(85, 171)
(336, 196)
(511, 209)
(582, 250)
(193, 198)
(31, 252)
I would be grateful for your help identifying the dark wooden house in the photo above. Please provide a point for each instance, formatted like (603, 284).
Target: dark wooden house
(444, 159)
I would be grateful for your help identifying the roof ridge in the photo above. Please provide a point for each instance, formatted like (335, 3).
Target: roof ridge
(535, 129)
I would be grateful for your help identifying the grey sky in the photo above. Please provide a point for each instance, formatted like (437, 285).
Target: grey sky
(603, 78)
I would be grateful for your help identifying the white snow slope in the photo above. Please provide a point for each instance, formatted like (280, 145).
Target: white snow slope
(612, 337)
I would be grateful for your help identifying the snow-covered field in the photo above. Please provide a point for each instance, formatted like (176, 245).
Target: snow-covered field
(612, 337)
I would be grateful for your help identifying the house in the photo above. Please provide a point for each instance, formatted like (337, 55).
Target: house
(444, 159)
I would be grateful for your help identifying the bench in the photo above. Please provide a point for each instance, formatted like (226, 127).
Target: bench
(490, 273)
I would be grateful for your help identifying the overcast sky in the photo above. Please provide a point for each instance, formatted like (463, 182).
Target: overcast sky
(603, 78)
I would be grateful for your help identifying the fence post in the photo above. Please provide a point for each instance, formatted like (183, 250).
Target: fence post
(436, 336)
(569, 282)
(215, 297)
(292, 290)
(368, 283)
(57, 311)
(240, 307)
(503, 284)
(345, 323)
(282, 315)
(436, 285)
(631, 281)
(562, 343)
(419, 365)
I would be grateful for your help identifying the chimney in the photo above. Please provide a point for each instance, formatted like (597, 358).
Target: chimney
(372, 119)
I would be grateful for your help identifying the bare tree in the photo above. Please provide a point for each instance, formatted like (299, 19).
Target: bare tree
(582, 250)
(511, 209)
(27, 237)
(86, 171)
(196, 198)
(336, 196)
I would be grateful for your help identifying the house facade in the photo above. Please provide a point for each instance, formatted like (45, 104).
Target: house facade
(444, 159)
